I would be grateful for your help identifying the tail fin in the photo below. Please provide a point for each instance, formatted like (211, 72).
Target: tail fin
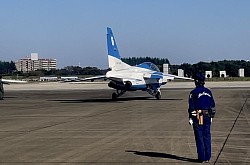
(114, 57)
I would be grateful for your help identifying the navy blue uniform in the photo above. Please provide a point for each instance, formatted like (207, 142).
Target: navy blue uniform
(201, 98)
(1, 89)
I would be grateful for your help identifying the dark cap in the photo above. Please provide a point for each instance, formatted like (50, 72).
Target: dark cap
(200, 77)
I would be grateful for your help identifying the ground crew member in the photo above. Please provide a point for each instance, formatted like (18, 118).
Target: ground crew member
(1, 88)
(201, 111)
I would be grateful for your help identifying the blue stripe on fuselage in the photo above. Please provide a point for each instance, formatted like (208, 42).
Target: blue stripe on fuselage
(156, 75)
(138, 87)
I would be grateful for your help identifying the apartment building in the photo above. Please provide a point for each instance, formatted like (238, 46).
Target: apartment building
(33, 63)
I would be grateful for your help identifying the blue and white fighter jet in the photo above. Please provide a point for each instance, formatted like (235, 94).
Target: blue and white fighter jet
(123, 77)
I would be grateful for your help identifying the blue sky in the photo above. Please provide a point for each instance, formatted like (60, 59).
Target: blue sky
(74, 31)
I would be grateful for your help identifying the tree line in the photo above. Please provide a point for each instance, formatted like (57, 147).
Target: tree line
(230, 66)
(7, 67)
(66, 71)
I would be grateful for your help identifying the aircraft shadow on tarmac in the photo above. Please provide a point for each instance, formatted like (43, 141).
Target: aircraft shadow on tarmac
(94, 100)
(163, 155)
(10, 97)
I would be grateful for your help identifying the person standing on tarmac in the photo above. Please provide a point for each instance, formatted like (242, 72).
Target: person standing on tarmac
(1, 88)
(201, 111)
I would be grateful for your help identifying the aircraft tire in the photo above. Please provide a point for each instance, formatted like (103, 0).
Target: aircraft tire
(158, 95)
(114, 96)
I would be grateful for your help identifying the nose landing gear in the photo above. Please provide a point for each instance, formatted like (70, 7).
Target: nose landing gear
(117, 94)
(156, 93)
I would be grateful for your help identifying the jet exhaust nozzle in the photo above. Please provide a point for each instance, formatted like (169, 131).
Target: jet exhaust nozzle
(113, 84)
(128, 84)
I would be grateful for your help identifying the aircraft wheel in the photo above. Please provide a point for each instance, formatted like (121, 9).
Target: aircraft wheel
(158, 95)
(114, 96)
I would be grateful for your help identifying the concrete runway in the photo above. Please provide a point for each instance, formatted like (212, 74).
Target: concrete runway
(83, 126)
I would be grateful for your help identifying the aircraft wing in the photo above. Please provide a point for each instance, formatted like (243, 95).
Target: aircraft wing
(87, 79)
(6, 81)
(158, 75)
(171, 77)
(93, 78)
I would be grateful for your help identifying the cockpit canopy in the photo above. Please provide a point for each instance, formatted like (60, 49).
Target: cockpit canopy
(149, 65)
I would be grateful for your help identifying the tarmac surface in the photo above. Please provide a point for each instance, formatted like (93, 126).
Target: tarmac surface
(82, 125)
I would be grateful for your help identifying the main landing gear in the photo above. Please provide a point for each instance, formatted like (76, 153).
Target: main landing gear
(117, 94)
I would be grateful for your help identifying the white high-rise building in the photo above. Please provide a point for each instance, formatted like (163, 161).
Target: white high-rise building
(181, 72)
(165, 68)
(33, 63)
(241, 72)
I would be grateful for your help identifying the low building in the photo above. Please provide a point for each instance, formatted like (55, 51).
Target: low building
(69, 78)
(208, 74)
(48, 78)
(223, 74)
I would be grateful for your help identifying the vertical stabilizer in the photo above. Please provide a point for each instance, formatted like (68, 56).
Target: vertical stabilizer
(114, 57)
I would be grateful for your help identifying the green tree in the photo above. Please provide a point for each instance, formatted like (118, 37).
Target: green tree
(7, 67)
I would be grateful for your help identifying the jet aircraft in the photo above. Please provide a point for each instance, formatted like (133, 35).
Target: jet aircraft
(123, 77)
